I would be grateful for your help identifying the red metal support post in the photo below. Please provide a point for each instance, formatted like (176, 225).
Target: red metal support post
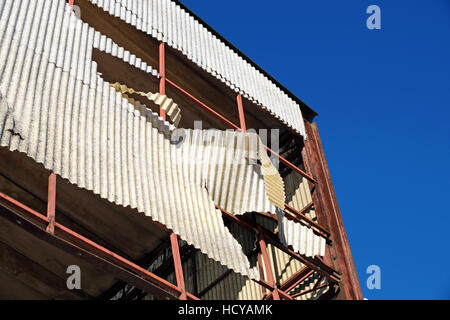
(51, 203)
(70, 237)
(267, 265)
(173, 237)
(241, 112)
(329, 214)
(177, 265)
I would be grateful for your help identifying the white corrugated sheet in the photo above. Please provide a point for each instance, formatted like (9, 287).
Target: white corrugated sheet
(56, 108)
(105, 44)
(302, 239)
(168, 22)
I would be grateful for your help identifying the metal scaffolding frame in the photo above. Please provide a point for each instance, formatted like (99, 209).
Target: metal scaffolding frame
(143, 281)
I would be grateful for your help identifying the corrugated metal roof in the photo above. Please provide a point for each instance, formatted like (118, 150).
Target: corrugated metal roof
(166, 21)
(105, 44)
(58, 110)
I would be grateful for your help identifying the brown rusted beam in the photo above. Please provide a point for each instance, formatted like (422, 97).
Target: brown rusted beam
(299, 217)
(166, 268)
(15, 211)
(177, 265)
(215, 282)
(294, 280)
(145, 262)
(284, 295)
(316, 265)
(310, 290)
(267, 265)
(330, 213)
(79, 252)
(51, 203)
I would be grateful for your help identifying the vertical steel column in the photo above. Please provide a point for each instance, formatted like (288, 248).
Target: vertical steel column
(330, 215)
(241, 112)
(51, 203)
(267, 265)
(178, 267)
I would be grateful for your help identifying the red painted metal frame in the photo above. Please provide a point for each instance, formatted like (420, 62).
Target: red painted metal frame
(173, 237)
(180, 290)
(267, 265)
(328, 213)
(232, 125)
(51, 204)
(201, 104)
(24, 211)
(262, 244)
(241, 113)
(178, 266)
(311, 290)
(276, 293)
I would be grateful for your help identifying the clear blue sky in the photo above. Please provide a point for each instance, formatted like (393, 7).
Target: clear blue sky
(383, 98)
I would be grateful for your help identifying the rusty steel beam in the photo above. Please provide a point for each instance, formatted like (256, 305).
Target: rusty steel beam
(284, 295)
(173, 237)
(177, 265)
(10, 214)
(215, 282)
(310, 290)
(293, 281)
(51, 204)
(292, 166)
(241, 112)
(261, 273)
(166, 268)
(316, 265)
(267, 265)
(201, 104)
(299, 217)
(330, 213)
(146, 262)
(97, 251)
(232, 125)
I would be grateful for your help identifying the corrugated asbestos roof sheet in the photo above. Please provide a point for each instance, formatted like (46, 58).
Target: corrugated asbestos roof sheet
(105, 44)
(57, 109)
(166, 21)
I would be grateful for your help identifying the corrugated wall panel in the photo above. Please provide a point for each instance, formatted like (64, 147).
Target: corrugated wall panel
(90, 135)
(56, 108)
(106, 45)
(167, 22)
(298, 194)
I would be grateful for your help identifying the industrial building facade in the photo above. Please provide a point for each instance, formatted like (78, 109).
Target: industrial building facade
(141, 148)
